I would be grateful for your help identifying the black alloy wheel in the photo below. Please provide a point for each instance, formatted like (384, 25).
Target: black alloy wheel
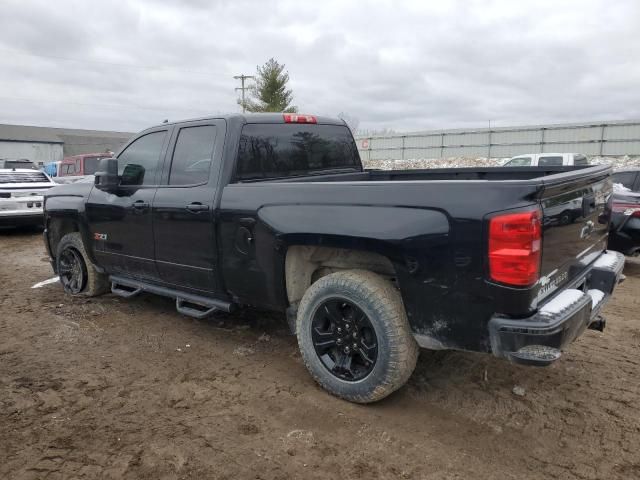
(72, 271)
(344, 339)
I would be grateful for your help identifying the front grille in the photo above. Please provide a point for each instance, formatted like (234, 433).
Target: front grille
(22, 177)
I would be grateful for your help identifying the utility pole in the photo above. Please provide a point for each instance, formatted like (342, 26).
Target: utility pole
(242, 79)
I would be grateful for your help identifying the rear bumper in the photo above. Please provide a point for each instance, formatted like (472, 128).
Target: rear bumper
(19, 218)
(539, 339)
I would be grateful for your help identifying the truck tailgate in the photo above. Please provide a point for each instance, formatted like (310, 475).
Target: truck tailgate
(576, 216)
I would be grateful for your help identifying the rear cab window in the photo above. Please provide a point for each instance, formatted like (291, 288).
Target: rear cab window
(550, 161)
(289, 150)
(18, 164)
(580, 160)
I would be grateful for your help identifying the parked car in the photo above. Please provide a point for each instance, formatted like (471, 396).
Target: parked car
(17, 163)
(22, 195)
(624, 235)
(368, 266)
(81, 165)
(547, 160)
(629, 178)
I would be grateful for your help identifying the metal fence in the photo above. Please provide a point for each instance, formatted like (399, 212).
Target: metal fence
(602, 138)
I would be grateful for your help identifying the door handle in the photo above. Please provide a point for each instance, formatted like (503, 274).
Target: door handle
(197, 207)
(139, 205)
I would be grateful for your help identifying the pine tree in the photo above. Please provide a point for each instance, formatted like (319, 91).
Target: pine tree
(270, 92)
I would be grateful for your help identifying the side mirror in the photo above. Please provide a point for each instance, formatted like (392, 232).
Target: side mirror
(107, 175)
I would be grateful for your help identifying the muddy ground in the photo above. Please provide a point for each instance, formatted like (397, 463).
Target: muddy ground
(114, 388)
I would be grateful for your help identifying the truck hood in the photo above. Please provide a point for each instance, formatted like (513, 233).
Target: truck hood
(77, 189)
(21, 178)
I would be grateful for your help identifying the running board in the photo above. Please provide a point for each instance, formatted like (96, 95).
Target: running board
(189, 304)
(195, 310)
(124, 291)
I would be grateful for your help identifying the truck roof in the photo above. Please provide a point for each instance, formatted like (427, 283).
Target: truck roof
(256, 118)
(547, 154)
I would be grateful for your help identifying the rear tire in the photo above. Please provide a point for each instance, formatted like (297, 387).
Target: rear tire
(354, 336)
(79, 277)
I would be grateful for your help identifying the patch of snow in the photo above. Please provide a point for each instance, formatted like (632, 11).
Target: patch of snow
(606, 260)
(519, 391)
(619, 188)
(561, 302)
(460, 162)
(596, 296)
(46, 282)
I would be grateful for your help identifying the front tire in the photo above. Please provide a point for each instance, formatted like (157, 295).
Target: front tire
(78, 275)
(354, 336)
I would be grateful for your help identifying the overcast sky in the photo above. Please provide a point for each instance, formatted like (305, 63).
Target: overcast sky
(413, 65)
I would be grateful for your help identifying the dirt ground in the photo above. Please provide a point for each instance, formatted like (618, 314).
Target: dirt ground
(114, 388)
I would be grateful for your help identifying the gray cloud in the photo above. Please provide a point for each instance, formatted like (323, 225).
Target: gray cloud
(124, 65)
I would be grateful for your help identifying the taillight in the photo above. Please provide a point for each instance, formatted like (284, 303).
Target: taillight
(515, 248)
(627, 209)
(297, 118)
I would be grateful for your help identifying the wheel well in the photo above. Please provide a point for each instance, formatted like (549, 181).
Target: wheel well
(57, 229)
(305, 264)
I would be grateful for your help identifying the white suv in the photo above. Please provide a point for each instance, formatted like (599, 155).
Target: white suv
(22, 196)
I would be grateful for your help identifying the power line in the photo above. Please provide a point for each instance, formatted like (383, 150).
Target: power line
(112, 64)
(242, 79)
(116, 105)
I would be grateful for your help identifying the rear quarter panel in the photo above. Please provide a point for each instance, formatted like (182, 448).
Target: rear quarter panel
(432, 232)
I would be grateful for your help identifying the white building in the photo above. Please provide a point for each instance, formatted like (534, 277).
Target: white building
(42, 145)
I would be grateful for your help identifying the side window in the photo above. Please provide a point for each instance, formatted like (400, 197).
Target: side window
(627, 179)
(551, 161)
(69, 169)
(519, 162)
(139, 162)
(192, 155)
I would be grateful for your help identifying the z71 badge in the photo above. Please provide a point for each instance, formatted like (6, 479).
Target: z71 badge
(99, 236)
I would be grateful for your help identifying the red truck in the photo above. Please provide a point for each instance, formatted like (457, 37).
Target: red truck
(81, 165)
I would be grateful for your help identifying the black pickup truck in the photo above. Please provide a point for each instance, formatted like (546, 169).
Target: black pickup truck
(276, 211)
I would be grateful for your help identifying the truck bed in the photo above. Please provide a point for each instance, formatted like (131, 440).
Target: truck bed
(483, 173)
(456, 202)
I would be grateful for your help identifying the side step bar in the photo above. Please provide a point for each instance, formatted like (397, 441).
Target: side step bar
(189, 304)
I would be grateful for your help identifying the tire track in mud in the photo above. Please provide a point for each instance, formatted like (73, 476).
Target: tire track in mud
(97, 387)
